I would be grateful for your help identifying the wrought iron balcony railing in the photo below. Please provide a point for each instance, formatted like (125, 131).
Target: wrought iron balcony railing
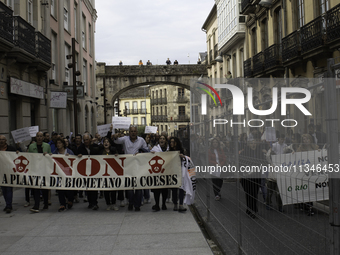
(24, 35)
(43, 47)
(133, 111)
(272, 56)
(142, 111)
(6, 22)
(182, 118)
(258, 61)
(313, 34)
(333, 24)
(244, 4)
(163, 100)
(247, 68)
(159, 118)
(291, 46)
(182, 99)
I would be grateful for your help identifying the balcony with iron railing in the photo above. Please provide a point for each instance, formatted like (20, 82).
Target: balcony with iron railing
(247, 68)
(24, 35)
(246, 7)
(182, 118)
(182, 99)
(273, 57)
(142, 111)
(43, 47)
(160, 118)
(163, 100)
(6, 23)
(333, 24)
(291, 47)
(313, 35)
(258, 63)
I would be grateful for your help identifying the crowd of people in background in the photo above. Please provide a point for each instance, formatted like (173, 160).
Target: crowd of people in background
(122, 142)
(253, 149)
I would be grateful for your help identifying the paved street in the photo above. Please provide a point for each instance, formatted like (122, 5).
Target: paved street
(87, 232)
(272, 232)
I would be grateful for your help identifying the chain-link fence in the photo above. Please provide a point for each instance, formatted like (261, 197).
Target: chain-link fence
(267, 162)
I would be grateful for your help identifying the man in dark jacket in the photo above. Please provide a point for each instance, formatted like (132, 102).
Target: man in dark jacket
(7, 191)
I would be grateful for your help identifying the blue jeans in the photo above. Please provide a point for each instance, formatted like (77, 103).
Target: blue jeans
(135, 197)
(7, 192)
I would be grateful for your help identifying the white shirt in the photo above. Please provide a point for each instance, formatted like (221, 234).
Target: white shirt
(279, 148)
(130, 147)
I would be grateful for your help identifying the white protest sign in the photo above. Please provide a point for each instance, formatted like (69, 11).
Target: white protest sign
(150, 130)
(103, 129)
(21, 135)
(121, 122)
(302, 176)
(58, 99)
(33, 131)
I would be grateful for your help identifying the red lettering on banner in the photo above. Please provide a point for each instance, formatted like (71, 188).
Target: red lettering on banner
(114, 165)
(95, 167)
(63, 165)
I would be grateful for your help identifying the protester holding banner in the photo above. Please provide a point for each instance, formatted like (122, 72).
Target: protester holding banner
(308, 144)
(131, 145)
(110, 195)
(7, 192)
(39, 147)
(62, 194)
(177, 193)
(89, 149)
(296, 141)
(161, 147)
(216, 158)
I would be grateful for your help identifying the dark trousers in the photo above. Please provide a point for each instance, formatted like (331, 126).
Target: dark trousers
(92, 197)
(146, 194)
(63, 194)
(217, 185)
(36, 195)
(251, 188)
(110, 197)
(135, 197)
(177, 193)
(27, 194)
(7, 192)
(157, 194)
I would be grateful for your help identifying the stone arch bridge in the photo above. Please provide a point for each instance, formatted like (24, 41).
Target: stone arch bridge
(119, 79)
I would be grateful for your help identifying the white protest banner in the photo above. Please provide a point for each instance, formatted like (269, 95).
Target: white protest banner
(103, 129)
(302, 176)
(58, 99)
(33, 131)
(21, 135)
(121, 122)
(107, 172)
(150, 130)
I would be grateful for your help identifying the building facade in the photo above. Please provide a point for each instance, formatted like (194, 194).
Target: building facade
(73, 19)
(170, 108)
(24, 64)
(35, 40)
(293, 40)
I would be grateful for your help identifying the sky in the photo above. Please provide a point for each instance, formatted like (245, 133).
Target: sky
(133, 30)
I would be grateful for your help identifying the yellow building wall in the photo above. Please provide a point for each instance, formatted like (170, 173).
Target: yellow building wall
(139, 106)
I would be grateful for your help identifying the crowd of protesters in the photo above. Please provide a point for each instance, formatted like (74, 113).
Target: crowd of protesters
(122, 142)
(254, 150)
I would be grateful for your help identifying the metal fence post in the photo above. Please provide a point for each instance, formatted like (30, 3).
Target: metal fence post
(333, 157)
(206, 129)
(238, 186)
